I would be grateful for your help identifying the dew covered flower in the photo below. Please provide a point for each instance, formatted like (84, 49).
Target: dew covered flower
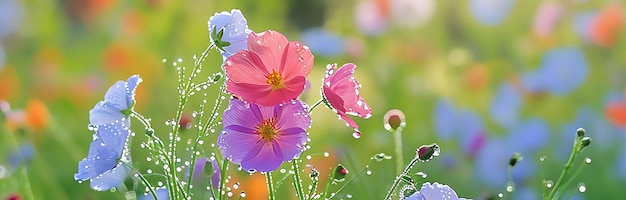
(271, 71)
(229, 31)
(342, 91)
(110, 126)
(260, 138)
(434, 191)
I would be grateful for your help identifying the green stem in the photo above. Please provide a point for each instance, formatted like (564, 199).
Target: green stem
(328, 183)
(397, 135)
(221, 190)
(297, 181)
(143, 179)
(313, 188)
(316, 104)
(574, 175)
(398, 178)
(565, 169)
(270, 185)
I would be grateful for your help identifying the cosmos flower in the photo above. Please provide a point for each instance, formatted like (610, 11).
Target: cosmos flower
(434, 191)
(342, 91)
(272, 70)
(110, 126)
(260, 138)
(229, 31)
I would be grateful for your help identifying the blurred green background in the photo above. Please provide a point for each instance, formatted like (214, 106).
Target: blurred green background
(58, 58)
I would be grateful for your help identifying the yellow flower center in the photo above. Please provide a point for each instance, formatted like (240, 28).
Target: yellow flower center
(266, 130)
(275, 80)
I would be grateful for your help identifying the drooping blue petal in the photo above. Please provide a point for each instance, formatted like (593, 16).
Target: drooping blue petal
(104, 112)
(131, 87)
(111, 178)
(104, 152)
(505, 106)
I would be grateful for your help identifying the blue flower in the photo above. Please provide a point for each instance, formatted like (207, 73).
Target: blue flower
(162, 194)
(563, 69)
(529, 136)
(110, 125)
(229, 32)
(490, 12)
(434, 191)
(505, 105)
(445, 119)
(322, 42)
(21, 155)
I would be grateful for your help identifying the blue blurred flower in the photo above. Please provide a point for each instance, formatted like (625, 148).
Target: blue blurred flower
(490, 12)
(529, 136)
(505, 105)
(564, 69)
(445, 119)
(620, 163)
(10, 16)
(21, 155)
(161, 193)
(472, 133)
(229, 32)
(110, 125)
(492, 162)
(582, 24)
(434, 191)
(322, 42)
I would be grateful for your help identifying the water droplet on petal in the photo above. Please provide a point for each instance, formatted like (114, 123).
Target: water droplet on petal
(356, 134)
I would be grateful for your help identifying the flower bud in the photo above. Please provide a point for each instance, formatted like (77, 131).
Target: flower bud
(516, 158)
(393, 120)
(584, 143)
(427, 152)
(580, 132)
(340, 173)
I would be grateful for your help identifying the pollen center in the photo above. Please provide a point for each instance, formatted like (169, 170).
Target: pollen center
(266, 130)
(275, 80)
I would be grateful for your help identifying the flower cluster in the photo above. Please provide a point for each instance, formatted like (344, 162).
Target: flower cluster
(265, 123)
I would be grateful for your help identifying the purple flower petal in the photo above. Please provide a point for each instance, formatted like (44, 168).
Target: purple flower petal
(262, 157)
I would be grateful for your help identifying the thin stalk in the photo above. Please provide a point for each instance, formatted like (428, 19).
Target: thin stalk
(297, 181)
(397, 180)
(316, 104)
(222, 179)
(574, 175)
(143, 179)
(565, 169)
(270, 185)
(313, 188)
(183, 97)
(397, 136)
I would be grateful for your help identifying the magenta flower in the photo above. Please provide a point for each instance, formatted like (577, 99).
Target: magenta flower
(260, 138)
(271, 71)
(341, 91)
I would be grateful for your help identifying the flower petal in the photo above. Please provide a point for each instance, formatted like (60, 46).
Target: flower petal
(294, 114)
(263, 157)
(234, 145)
(297, 60)
(269, 45)
(290, 143)
(110, 179)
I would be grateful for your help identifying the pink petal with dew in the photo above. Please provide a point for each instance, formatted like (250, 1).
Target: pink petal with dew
(263, 157)
(297, 60)
(293, 88)
(350, 122)
(249, 92)
(269, 45)
(246, 67)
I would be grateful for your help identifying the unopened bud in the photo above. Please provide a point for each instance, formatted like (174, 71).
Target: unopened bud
(580, 132)
(314, 173)
(340, 173)
(516, 158)
(393, 120)
(585, 142)
(427, 152)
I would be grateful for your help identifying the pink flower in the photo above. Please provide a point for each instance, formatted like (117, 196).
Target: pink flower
(271, 71)
(261, 138)
(341, 91)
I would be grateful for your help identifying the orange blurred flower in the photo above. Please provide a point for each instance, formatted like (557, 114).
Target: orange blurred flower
(616, 114)
(606, 27)
(37, 115)
(9, 83)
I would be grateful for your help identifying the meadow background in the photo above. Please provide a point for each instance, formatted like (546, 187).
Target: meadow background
(482, 78)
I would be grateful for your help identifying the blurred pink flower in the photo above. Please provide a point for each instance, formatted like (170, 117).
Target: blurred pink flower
(371, 17)
(342, 91)
(547, 16)
(271, 71)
